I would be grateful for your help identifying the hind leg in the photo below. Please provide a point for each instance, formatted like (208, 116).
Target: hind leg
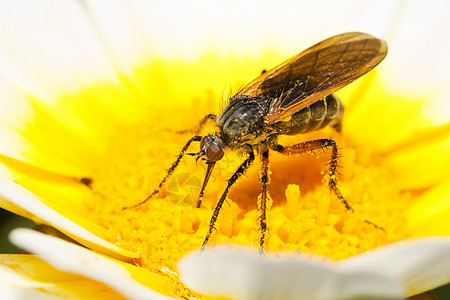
(332, 169)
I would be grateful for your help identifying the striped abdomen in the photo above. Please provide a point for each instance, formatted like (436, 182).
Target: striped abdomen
(325, 112)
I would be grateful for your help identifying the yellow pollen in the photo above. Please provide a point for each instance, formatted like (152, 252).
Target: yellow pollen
(304, 215)
(287, 119)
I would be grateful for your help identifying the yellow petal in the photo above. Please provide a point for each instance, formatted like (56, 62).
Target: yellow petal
(430, 214)
(68, 257)
(24, 202)
(28, 277)
(421, 160)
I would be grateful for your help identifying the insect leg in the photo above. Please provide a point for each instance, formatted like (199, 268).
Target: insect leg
(175, 164)
(200, 125)
(263, 200)
(332, 169)
(241, 170)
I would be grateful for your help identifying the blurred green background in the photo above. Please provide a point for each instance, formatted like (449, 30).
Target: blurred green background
(9, 221)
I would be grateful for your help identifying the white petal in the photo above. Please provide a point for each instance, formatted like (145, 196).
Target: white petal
(189, 29)
(13, 286)
(418, 47)
(417, 64)
(419, 265)
(244, 274)
(12, 123)
(47, 47)
(35, 206)
(25, 276)
(121, 32)
(75, 259)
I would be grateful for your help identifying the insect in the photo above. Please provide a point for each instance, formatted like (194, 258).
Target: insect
(292, 98)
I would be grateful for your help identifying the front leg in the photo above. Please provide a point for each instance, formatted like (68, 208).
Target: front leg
(332, 169)
(175, 164)
(200, 126)
(241, 170)
(263, 198)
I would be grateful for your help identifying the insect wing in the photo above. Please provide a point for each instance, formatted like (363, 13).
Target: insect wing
(315, 73)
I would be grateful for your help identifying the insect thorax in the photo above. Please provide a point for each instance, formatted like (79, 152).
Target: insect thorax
(242, 121)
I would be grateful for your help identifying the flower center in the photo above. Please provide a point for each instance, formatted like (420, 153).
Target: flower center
(304, 215)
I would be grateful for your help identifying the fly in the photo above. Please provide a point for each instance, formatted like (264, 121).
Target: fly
(292, 98)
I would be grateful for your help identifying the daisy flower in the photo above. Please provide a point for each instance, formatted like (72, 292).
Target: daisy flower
(97, 97)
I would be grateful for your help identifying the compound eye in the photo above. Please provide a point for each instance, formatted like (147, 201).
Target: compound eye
(203, 141)
(214, 153)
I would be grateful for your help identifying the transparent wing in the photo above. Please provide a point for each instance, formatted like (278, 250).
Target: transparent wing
(315, 73)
